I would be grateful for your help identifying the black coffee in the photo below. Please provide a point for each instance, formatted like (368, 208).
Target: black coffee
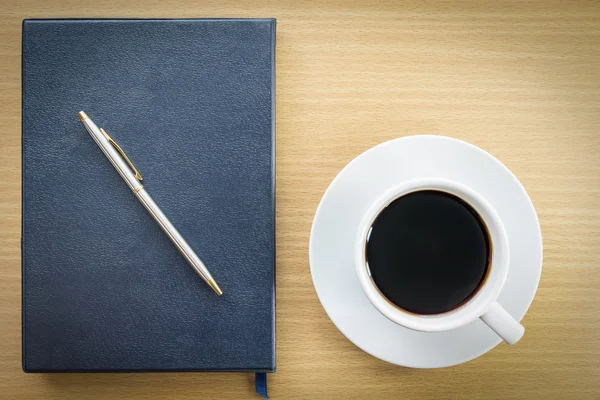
(428, 252)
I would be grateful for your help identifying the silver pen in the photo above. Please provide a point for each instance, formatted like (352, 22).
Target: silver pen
(132, 177)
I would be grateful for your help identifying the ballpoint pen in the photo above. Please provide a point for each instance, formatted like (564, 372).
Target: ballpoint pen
(132, 177)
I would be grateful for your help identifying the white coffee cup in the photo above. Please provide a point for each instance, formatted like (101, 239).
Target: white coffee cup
(482, 304)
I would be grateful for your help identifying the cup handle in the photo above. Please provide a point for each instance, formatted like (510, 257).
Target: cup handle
(501, 322)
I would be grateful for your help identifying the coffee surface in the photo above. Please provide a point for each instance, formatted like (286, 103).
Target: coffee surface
(428, 252)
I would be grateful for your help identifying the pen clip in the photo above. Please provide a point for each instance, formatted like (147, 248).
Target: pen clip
(120, 150)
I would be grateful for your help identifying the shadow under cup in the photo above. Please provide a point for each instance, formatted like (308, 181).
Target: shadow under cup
(428, 252)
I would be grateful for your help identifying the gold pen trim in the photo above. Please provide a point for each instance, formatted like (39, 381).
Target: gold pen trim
(137, 189)
(138, 176)
(214, 286)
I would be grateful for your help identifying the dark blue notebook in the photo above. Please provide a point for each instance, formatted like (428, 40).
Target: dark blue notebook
(192, 104)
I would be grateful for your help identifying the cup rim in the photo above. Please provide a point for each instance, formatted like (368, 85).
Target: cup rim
(488, 292)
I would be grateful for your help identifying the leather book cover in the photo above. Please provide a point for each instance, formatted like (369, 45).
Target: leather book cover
(192, 104)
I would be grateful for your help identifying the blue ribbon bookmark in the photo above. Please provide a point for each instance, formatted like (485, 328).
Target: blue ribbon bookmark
(261, 384)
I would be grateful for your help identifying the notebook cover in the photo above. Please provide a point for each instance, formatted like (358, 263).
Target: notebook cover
(192, 104)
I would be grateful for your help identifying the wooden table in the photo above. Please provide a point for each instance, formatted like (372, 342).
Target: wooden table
(520, 79)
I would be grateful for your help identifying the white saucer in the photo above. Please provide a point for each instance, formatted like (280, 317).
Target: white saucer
(334, 231)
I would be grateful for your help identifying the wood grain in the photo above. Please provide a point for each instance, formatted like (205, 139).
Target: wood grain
(520, 79)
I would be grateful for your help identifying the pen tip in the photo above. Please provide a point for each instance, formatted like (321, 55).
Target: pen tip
(215, 287)
(82, 115)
